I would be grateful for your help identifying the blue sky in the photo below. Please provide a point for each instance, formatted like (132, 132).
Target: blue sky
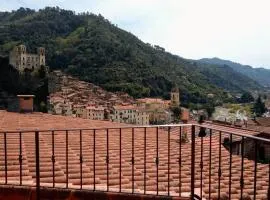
(238, 30)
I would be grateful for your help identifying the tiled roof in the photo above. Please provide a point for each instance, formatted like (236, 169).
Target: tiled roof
(100, 108)
(151, 100)
(74, 90)
(263, 121)
(125, 107)
(16, 121)
(44, 121)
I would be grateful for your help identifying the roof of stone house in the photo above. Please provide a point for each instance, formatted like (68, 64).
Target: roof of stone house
(56, 97)
(125, 107)
(251, 122)
(95, 108)
(151, 100)
(78, 106)
(232, 129)
(263, 121)
(16, 121)
(260, 129)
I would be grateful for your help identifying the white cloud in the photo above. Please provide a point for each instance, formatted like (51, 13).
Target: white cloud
(230, 29)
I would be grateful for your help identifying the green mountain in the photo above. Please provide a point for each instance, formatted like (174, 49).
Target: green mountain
(90, 47)
(261, 75)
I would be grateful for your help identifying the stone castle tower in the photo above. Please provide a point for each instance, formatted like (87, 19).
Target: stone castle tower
(175, 97)
(21, 60)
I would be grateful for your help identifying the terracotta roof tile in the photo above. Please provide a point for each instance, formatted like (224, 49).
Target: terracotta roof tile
(15, 121)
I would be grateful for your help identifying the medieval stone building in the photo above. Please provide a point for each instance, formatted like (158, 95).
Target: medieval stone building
(175, 97)
(22, 61)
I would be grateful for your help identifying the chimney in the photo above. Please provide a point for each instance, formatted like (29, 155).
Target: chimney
(26, 103)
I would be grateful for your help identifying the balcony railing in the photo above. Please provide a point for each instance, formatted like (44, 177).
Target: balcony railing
(186, 160)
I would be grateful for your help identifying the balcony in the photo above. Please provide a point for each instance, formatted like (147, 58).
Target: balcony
(188, 161)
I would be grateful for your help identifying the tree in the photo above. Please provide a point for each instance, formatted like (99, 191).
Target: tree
(210, 109)
(246, 98)
(176, 113)
(42, 72)
(43, 107)
(259, 107)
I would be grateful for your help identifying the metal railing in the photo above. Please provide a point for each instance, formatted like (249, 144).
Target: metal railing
(178, 160)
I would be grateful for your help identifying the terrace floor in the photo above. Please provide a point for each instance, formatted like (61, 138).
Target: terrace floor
(172, 176)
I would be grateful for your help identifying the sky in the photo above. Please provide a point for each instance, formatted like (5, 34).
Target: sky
(237, 30)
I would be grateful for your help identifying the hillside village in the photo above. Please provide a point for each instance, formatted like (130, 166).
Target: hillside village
(72, 97)
(69, 96)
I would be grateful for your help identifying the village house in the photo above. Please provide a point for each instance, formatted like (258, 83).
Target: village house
(57, 109)
(142, 117)
(79, 111)
(67, 109)
(153, 103)
(160, 116)
(95, 112)
(159, 109)
(129, 114)
(259, 127)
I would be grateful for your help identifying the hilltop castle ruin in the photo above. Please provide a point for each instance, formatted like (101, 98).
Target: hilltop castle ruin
(22, 61)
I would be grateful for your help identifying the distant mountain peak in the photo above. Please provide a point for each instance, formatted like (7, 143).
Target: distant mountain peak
(261, 75)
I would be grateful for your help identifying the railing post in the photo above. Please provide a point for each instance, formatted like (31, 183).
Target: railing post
(192, 161)
(37, 166)
(20, 157)
(5, 144)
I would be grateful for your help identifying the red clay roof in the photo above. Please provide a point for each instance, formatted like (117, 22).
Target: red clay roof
(45, 121)
(263, 121)
(41, 121)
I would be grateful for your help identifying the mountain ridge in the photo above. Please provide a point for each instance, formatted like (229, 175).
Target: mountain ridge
(261, 75)
(89, 47)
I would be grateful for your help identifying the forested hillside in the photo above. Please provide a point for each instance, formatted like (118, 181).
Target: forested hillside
(90, 47)
(260, 75)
